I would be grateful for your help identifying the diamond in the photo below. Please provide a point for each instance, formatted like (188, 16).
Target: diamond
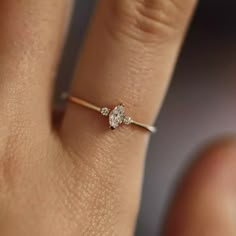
(116, 116)
(127, 120)
(105, 111)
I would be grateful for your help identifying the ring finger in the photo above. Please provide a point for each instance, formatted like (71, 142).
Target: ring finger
(128, 57)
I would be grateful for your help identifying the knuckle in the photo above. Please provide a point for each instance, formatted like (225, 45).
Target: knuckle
(143, 20)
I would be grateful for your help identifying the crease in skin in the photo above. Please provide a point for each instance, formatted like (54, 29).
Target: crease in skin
(145, 21)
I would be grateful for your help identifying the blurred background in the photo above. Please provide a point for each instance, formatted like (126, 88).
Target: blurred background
(200, 104)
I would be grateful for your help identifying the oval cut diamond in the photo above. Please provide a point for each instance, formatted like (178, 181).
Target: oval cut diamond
(116, 116)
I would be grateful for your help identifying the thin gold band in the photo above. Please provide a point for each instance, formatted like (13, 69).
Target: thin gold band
(110, 112)
(83, 103)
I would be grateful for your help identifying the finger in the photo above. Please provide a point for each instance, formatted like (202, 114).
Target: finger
(128, 57)
(205, 201)
(31, 40)
(130, 54)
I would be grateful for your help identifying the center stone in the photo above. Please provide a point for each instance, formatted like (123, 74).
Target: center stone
(116, 116)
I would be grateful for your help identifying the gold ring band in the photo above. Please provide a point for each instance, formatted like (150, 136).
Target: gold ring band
(116, 115)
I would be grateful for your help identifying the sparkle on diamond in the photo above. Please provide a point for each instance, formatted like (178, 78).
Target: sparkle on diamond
(116, 116)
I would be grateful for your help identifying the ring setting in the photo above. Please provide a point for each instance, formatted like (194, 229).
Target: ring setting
(116, 116)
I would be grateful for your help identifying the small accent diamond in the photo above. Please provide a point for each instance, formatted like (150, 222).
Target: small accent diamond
(127, 120)
(105, 111)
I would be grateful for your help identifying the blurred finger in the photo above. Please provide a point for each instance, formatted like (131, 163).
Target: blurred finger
(205, 201)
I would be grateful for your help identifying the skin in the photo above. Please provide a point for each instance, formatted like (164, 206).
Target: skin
(81, 178)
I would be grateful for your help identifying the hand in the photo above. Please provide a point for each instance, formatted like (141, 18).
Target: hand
(81, 178)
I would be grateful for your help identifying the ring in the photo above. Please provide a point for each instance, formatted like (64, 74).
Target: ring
(116, 115)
